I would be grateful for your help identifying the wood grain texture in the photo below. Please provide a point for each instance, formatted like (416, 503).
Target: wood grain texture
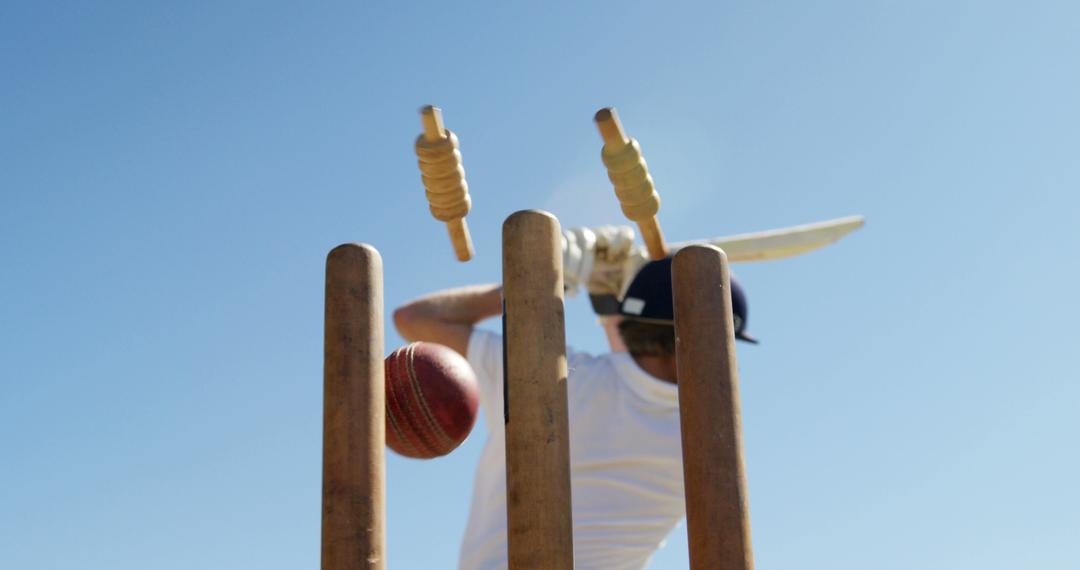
(540, 530)
(354, 429)
(717, 508)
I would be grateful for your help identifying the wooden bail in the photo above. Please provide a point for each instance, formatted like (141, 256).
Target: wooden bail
(717, 508)
(444, 178)
(633, 184)
(540, 530)
(354, 424)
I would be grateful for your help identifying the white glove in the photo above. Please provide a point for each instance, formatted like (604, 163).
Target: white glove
(601, 259)
(614, 250)
(578, 245)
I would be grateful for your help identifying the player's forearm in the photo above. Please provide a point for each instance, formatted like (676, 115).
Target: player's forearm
(463, 305)
(447, 317)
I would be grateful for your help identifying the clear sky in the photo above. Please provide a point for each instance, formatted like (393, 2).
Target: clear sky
(172, 176)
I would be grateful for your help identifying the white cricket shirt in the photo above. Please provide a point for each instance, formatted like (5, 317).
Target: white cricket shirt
(625, 462)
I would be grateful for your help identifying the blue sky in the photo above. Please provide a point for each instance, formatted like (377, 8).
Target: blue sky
(172, 176)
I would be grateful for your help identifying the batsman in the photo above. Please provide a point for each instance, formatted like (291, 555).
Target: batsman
(626, 469)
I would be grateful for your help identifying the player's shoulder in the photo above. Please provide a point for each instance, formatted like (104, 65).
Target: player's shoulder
(579, 357)
(586, 366)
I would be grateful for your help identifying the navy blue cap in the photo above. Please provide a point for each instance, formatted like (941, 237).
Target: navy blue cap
(649, 298)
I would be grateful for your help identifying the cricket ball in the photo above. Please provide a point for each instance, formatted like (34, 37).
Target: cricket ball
(431, 400)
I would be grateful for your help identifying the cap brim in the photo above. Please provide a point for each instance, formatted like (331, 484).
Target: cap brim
(746, 337)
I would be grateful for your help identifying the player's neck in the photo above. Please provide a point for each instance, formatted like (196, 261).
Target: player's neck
(659, 367)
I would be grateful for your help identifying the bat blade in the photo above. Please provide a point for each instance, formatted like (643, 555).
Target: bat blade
(766, 245)
(783, 242)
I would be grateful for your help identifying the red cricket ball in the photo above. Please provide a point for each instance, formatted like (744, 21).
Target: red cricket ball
(431, 400)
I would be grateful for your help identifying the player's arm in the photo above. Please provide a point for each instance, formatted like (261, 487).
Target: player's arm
(448, 317)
